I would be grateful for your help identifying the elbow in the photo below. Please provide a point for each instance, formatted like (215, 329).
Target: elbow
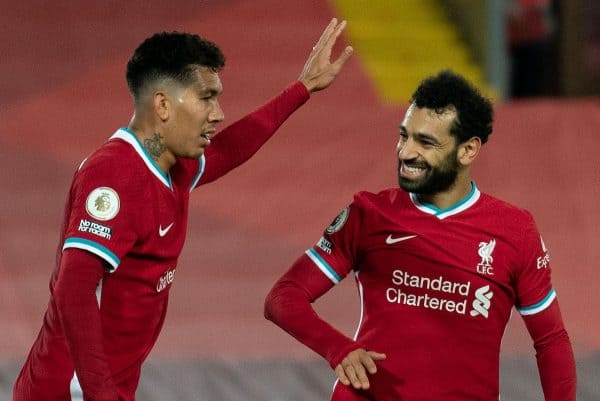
(281, 301)
(269, 305)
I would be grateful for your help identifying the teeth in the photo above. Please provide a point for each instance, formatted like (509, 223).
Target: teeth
(413, 169)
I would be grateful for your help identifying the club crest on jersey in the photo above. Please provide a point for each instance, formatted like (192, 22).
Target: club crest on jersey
(337, 223)
(102, 203)
(485, 252)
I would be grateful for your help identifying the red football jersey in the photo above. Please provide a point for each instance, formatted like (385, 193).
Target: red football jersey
(136, 222)
(437, 288)
(124, 209)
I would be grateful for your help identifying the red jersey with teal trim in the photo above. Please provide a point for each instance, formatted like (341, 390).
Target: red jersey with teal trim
(437, 288)
(124, 209)
(136, 221)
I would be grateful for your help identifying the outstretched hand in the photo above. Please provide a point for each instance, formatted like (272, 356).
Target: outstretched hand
(356, 365)
(319, 72)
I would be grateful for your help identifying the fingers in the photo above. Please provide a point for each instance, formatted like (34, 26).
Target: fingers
(325, 36)
(345, 56)
(341, 374)
(352, 373)
(356, 366)
(333, 36)
(376, 356)
(318, 72)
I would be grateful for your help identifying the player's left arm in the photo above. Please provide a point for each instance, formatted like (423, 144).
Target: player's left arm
(554, 354)
(241, 140)
(538, 304)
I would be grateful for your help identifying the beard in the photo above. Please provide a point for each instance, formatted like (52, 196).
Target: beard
(437, 179)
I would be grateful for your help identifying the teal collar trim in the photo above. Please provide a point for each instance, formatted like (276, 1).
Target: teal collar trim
(460, 206)
(129, 137)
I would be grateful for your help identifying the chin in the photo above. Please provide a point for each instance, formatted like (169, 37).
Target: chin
(196, 154)
(409, 185)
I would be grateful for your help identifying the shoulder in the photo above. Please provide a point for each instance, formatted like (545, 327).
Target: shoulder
(110, 156)
(114, 165)
(506, 212)
(382, 199)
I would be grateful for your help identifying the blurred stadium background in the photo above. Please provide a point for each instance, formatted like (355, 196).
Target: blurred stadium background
(64, 93)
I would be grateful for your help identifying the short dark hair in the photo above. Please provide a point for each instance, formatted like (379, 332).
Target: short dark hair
(171, 55)
(448, 90)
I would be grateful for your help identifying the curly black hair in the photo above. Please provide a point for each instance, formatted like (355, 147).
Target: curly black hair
(448, 90)
(172, 55)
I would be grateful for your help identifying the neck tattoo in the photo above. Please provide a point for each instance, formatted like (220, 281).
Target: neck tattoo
(154, 146)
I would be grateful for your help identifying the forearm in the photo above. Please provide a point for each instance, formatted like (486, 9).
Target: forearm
(556, 365)
(77, 304)
(242, 139)
(554, 354)
(288, 305)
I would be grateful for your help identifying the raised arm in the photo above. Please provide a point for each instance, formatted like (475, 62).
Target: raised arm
(241, 140)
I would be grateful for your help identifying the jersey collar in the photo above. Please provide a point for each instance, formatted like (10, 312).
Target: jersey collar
(460, 206)
(129, 137)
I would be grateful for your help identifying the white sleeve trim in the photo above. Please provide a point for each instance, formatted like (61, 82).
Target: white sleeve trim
(323, 265)
(540, 306)
(95, 248)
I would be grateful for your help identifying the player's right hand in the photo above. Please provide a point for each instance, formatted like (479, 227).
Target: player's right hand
(354, 368)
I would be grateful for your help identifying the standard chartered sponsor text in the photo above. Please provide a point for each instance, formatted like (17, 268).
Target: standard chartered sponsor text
(404, 281)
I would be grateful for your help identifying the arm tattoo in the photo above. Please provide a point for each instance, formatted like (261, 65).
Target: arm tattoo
(154, 146)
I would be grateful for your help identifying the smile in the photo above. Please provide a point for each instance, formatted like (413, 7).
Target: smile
(412, 171)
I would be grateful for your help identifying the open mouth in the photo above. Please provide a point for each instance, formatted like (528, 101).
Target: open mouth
(206, 136)
(412, 171)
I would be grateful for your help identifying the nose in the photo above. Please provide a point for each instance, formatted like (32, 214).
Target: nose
(406, 149)
(216, 114)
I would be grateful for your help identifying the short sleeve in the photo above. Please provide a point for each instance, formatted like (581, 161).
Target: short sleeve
(534, 286)
(336, 252)
(102, 214)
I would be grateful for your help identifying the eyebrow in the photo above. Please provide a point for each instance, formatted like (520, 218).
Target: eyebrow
(421, 135)
(209, 91)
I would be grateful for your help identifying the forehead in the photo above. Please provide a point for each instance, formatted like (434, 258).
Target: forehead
(207, 80)
(424, 120)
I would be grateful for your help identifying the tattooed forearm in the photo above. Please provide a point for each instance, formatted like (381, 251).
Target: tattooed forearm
(154, 146)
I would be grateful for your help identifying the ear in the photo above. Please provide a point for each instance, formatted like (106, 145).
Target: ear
(161, 105)
(468, 151)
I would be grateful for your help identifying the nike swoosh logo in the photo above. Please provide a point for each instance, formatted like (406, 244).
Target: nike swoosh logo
(163, 231)
(390, 240)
